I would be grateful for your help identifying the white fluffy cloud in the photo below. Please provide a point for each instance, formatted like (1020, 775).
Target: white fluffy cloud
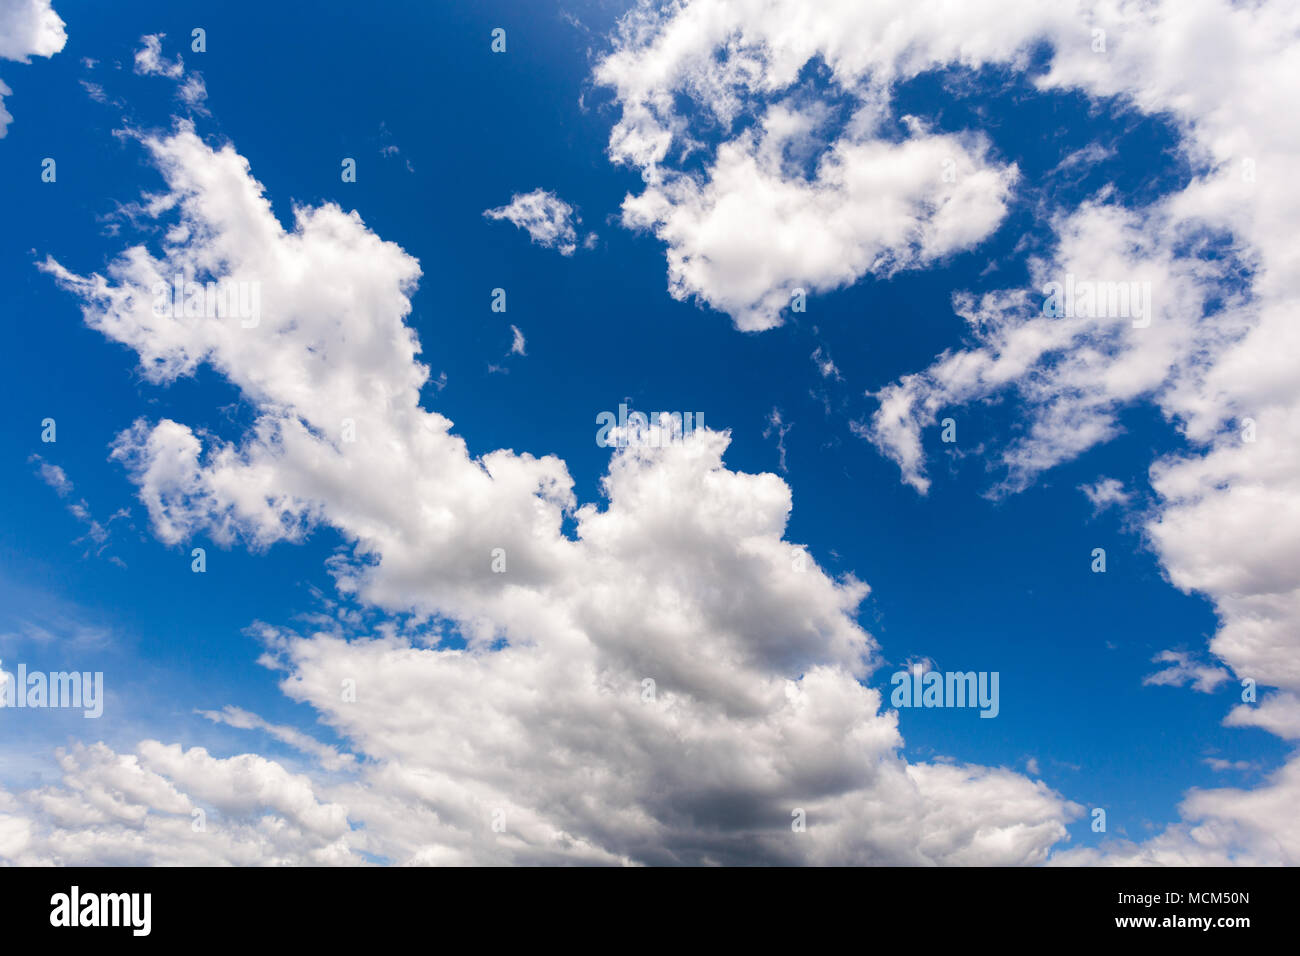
(140, 809)
(548, 219)
(1214, 356)
(544, 720)
(27, 28)
(805, 190)
(1226, 827)
(543, 717)
(751, 234)
(754, 218)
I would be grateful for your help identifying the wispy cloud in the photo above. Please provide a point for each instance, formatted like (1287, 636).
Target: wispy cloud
(549, 220)
(1105, 493)
(1184, 670)
(149, 60)
(97, 534)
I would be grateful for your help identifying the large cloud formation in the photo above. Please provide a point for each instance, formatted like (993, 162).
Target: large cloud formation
(803, 191)
(542, 723)
(1216, 354)
(672, 683)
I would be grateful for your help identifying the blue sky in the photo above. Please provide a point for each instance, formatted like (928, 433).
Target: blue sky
(962, 576)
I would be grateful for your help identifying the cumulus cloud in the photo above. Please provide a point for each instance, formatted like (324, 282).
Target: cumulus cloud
(1221, 262)
(751, 235)
(539, 712)
(27, 28)
(166, 806)
(1230, 826)
(30, 28)
(1278, 713)
(548, 219)
(809, 193)
(664, 684)
(1206, 336)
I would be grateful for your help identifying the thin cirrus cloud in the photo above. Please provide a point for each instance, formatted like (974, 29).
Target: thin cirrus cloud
(97, 534)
